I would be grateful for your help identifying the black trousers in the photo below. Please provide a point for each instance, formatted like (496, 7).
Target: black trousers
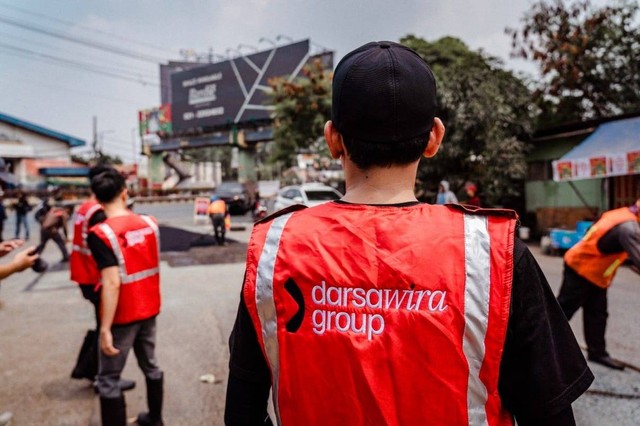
(217, 220)
(576, 292)
(92, 296)
(46, 235)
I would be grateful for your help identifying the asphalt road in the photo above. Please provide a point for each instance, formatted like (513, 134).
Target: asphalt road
(43, 319)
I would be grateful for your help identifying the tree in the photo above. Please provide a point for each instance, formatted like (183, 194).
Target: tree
(302, 107)
(487, 114)
(587, 56)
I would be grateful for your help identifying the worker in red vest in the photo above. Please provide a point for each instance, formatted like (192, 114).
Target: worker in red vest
(589, 269)
(126, 249)
(379, 310)
(85, 273)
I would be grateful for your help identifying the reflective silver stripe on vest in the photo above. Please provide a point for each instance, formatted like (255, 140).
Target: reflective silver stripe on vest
(476, 311)
(84, 231)
(153, 226)
(124, 277)
(265, 303)
(85, 222)
(82, 250)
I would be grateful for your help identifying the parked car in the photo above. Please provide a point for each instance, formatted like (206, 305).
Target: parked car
(240, 197)
(309, 194)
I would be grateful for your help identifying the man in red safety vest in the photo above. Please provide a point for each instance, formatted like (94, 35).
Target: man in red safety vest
(379, 310)
(126, 249)
(85, 273)
(589, 269)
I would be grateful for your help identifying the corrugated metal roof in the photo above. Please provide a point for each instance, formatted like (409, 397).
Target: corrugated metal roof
(620, 136)
(64, 171)
(72, 141)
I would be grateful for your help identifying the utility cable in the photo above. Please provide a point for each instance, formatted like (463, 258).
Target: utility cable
(76, 64)
(135, 71)
(76, 25)
(86, 42)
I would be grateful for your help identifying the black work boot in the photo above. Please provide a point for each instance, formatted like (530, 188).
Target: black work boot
(113, 411)
(154, 401)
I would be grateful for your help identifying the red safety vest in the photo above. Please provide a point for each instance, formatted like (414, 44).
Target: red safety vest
(588, 261)
(82, 265)
(135, 241)
(383, 316)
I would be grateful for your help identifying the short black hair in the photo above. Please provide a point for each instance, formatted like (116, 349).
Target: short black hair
(107, 185)
(367, 154)
(96, 170)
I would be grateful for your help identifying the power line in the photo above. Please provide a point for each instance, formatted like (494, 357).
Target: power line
(135, 71)
(76, 25)
(86, 42)
(75, 64)
(81, 92)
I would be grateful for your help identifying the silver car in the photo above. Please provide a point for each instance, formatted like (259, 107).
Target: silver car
(309, 194)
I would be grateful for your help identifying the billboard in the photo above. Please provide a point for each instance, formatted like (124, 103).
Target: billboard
(233, 91)
(155, 120)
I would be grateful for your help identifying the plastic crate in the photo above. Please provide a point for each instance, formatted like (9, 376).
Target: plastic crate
(563, 239)
(582, 227)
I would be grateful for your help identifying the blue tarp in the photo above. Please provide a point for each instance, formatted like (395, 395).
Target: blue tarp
(614, 137)
(612, 150)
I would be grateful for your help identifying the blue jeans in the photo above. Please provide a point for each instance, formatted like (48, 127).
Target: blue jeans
(22, 219)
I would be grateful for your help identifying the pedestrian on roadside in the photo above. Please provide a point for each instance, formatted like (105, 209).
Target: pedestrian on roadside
(22, 207)
(472, 195)
(54, 227)
(126, 250)
(379, 310)
(85, 273)
(445, 195)
(218, 212)
(589, 269)
(20, 262)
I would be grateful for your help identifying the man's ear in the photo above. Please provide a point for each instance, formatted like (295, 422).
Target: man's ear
(435, 138)
(334, 140)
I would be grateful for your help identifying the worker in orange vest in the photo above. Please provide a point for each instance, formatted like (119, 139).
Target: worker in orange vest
(126, 249)
(589, 269)
(377, 309)
(219, 216)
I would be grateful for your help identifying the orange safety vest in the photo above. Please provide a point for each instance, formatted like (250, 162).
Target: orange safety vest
(135, 241)
(81, 264)
(217, 207)
(588, 261)
(383, 316)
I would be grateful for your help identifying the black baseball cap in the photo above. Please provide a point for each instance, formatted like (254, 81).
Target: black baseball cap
(383, 92)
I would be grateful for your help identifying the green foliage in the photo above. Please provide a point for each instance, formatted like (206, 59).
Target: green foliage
(302, 107)
(487, 115)
(107, 159)
(588, 57)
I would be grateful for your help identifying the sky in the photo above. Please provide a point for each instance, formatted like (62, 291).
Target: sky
(48, 79)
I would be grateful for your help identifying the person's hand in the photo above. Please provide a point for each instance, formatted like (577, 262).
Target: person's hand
(106, 343)
(7, 247)
(25, 259)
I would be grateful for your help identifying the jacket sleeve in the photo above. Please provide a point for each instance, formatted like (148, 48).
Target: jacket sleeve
(543, 370)
(249, 380)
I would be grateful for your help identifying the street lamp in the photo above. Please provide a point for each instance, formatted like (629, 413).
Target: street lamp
(264, 39)
(281, 36)
(241, 45)
(232, 50)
